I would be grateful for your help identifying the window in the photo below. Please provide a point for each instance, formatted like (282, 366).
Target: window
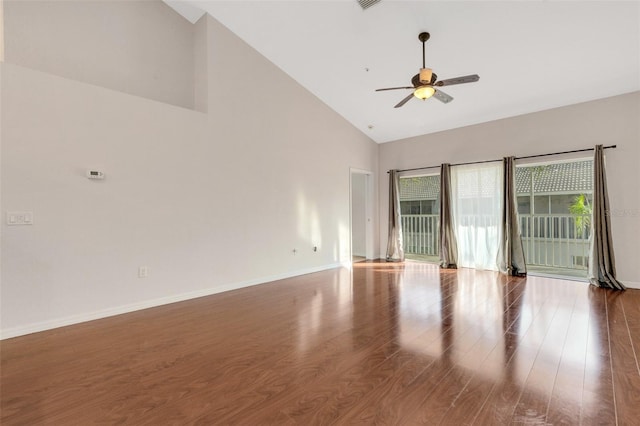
(476, 198)
(419, 207)
(524, 205)
(554, 209)
(419, 213)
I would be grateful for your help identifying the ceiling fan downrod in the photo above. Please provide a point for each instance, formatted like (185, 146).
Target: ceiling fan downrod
(423, 37)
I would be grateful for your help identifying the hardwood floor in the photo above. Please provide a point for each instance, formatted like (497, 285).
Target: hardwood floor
(384, 344)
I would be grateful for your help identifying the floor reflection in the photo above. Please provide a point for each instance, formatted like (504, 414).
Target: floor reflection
(479, 325)
(458, 311)
(321, 308)
(511, 331)
(482, 321)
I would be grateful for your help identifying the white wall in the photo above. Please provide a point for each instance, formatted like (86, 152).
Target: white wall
(359, 214)
(207, 202)
(135, 46)
(610, 121)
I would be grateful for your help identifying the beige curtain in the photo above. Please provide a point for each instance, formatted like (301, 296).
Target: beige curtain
(395, 252)
(448, 243)
(602, 263)
(510, 252)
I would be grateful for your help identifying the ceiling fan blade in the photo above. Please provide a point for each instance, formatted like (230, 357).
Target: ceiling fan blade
(404, 101)
(458, 80)
(394, 88)
(442, 97)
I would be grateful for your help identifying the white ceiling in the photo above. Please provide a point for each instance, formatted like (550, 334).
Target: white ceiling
(530, 55)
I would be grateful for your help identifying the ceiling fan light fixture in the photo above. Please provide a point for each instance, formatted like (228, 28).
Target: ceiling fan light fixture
(424, 92)
(425, 75)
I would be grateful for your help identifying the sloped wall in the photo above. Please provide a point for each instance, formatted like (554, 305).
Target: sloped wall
(207, 201)
(137, 46)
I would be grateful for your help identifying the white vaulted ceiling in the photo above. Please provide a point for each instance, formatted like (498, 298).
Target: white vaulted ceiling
(530, 55)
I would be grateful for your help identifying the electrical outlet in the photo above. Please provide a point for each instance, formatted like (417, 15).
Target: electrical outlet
(315, 248)
(143, 272)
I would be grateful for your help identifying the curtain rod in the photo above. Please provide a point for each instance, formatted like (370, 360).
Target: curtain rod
(517, 158)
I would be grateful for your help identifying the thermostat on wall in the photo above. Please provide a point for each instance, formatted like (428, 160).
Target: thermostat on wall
(95, 174)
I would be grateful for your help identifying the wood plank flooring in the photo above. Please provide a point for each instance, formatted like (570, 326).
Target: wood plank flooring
(388, 344)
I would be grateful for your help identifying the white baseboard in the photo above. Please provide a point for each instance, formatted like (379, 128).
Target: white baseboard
(118, 310)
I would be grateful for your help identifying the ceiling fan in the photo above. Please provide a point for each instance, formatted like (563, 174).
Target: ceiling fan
(425, 83)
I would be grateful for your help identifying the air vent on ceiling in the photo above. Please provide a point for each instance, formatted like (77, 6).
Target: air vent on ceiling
(365, 4)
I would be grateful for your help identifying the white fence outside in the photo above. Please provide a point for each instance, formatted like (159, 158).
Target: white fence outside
(549, 240)
(420, 233)
(554, 240)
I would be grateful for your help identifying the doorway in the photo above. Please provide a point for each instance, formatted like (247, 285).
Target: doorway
(555, 211)
(361, 215)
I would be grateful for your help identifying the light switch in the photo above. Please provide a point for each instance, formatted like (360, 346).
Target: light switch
(19, 218)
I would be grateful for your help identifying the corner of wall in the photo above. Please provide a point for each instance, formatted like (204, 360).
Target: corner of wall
(201, 65)
(152, 55)
(1, 30)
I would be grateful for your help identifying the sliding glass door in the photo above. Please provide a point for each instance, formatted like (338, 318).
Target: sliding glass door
(554, 211)
(420, 216)
(554, 214)
(476, 197)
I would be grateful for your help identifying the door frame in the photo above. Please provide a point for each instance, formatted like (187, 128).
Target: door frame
(369, 212)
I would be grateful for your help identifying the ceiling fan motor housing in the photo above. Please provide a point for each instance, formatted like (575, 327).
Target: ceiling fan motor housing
(425, 75)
